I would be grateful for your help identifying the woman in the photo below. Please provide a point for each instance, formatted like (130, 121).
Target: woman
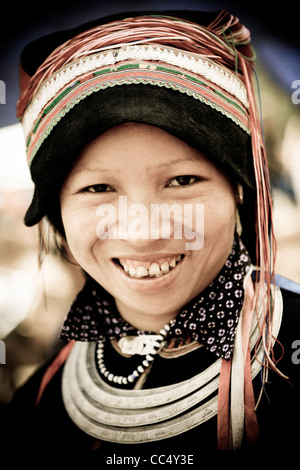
(146, 151)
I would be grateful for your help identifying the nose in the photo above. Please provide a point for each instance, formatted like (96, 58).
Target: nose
(143, 224)
(134, 223)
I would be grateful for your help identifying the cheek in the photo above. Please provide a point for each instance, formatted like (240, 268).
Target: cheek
(80, 232)
(219, 224)
(219, 217)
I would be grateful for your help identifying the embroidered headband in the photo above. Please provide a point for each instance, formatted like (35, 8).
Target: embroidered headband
(66, 77)
(130, 65)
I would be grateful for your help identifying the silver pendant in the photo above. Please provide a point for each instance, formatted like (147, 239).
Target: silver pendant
(142, 345)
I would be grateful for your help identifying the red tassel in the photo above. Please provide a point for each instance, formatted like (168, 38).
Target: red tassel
(53, 368)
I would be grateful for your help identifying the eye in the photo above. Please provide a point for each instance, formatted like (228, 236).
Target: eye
(184, 180)
(98, 188)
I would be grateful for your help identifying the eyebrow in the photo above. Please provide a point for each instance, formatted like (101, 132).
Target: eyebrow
(179, 161)
(191, 158)
(97, 170)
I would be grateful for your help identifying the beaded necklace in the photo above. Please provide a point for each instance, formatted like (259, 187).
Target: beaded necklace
(147, 345)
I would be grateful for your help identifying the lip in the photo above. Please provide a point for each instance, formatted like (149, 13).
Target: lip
(150, 285)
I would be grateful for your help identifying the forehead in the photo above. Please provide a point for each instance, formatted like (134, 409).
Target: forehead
(143, 144)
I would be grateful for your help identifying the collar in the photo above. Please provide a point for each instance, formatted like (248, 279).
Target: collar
(211, 318)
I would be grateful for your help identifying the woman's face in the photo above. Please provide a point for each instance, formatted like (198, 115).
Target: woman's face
(136, 169)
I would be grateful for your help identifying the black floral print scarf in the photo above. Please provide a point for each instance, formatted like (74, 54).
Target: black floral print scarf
(211, 318)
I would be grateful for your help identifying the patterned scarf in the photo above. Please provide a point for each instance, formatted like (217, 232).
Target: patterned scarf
(210, 318)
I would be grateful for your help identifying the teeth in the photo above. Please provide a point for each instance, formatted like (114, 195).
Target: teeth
(165, 267)
(159, 274)
(132, 271)
(154, 270)
(125, 267)
(141, 271)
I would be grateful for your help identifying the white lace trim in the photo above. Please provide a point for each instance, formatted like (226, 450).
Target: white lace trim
(200, 66)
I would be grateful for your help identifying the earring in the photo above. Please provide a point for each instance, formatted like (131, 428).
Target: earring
(238, 225)
(44, 240)
(239, 202)
(240, 194)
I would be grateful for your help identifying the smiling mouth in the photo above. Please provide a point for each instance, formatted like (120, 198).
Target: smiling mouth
(150, 270)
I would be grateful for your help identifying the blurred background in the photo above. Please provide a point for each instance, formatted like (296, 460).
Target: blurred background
(34, 301)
